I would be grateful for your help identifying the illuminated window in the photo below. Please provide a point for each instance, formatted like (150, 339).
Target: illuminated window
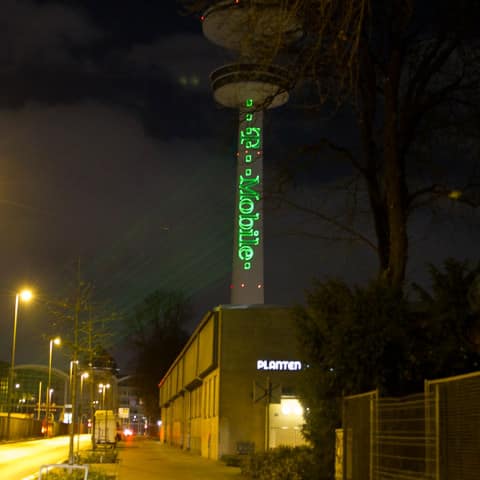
(291, 406)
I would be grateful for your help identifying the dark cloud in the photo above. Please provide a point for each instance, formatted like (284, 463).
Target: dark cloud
(166, 108)
(34, 34)
(50, 56)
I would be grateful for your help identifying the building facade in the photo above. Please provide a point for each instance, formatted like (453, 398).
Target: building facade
(233, 387)
(131, 412)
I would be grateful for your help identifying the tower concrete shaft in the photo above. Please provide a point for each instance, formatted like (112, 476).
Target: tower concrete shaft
(252, 85)
(247, 267)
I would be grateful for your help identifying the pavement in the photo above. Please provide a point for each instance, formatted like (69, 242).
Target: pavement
(144, 459)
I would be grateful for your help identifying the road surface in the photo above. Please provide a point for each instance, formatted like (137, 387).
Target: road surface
(22, 460)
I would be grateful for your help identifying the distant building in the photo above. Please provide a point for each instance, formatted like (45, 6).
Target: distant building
(30, 384)
(130, 405)
(233, 387)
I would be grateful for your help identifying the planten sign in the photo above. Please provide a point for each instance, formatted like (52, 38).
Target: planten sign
(279, 365)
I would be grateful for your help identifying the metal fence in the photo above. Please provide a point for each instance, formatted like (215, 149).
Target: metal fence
(359, 426)
(433, 435)
(404, 439)
(458, 423)
(19, 428)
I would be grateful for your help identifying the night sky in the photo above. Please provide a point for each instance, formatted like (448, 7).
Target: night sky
(113, 151)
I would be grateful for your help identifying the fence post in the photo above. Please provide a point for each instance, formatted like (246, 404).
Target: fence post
(372, 427)
(344, 444)
(437, 431)
(377, 435)
(428, 445)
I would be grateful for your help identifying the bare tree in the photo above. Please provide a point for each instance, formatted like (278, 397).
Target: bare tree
(156, 331)
(87, 332)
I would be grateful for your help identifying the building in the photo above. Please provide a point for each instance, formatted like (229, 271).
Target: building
(130, 406)
(232, 388)
(30, 385)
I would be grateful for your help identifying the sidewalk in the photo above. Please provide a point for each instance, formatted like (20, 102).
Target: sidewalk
(145, 459)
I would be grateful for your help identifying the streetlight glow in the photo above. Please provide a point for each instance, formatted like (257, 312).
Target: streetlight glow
(102, 388)
(26, 295)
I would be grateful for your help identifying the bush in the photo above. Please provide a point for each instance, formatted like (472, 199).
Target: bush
(62, 474)
(282, 463)
(233, 460)
(98, 456)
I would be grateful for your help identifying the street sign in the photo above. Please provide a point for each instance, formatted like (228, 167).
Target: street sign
(123, 412)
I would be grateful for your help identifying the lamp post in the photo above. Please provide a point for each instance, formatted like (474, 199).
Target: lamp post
(73, 401)
(39, 399)
(83, 376)
(53, 341)
(103, 389)
(16, 397)
(24, 295)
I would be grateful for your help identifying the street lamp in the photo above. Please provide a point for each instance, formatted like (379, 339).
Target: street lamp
(16, 397)
(102, 389)
(83, 376)
(26, 296)
(53, 341)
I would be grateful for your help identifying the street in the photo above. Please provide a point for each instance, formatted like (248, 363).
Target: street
(22, 460)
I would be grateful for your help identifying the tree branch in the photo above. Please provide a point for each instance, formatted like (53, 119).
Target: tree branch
(331, 221)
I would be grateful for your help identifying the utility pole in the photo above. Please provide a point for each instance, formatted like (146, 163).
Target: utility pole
(39, 399)
(76, 315)
(266, 394)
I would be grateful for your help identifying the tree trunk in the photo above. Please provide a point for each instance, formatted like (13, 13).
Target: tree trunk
(395, 185)
(367, 99)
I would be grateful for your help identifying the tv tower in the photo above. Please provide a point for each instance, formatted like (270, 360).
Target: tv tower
(250, 28)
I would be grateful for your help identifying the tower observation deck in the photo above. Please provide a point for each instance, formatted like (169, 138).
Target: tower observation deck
(253, 85)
